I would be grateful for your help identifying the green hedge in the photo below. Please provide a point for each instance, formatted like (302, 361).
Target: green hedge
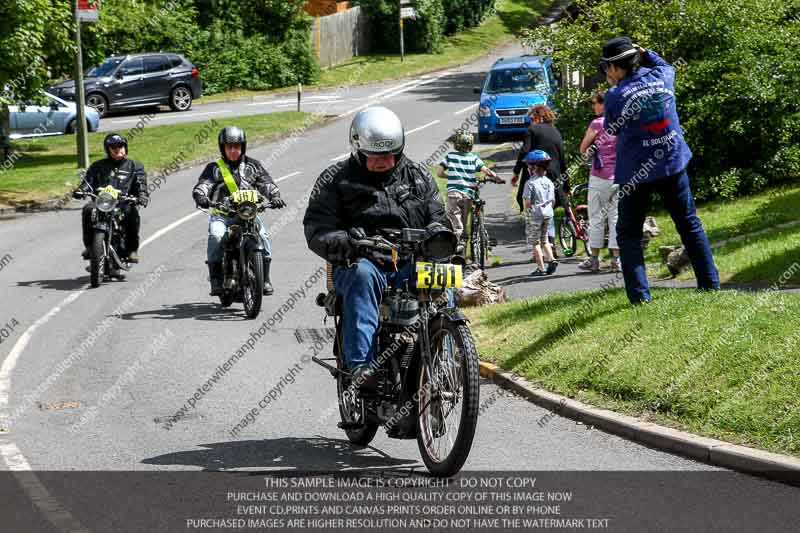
(737, 85)
(436, 18)
(252, 44)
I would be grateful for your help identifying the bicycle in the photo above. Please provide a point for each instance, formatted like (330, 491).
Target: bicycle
(574, 225)
(479, 241)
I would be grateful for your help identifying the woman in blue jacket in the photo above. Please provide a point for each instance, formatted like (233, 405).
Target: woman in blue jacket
(652, 156)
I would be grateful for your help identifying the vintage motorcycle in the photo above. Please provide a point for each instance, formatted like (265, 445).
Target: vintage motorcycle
(426, 362)
(109, 236)
(243, 252)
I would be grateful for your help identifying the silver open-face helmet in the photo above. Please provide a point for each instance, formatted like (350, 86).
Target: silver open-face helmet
(376, 131)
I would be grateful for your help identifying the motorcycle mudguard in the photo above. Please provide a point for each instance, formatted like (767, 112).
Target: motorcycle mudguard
(253, 245)
(453, 314)
(101, 226)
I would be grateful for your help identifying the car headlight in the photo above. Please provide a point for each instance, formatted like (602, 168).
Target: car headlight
(247, 211)
(484, 111)
(105, 202)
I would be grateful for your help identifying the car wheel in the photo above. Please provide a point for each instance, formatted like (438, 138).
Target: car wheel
(98, 102)
(71, 127)
(180, 99)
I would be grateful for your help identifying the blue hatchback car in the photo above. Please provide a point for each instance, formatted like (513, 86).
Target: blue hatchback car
(512, 87)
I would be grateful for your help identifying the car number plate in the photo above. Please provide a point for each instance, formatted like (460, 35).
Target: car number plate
(512, 120)
(438, 276)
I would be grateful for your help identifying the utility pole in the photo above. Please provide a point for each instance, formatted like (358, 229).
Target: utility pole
(407, 11)
(80, 97)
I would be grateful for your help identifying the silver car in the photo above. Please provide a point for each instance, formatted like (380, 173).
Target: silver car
(54, 117)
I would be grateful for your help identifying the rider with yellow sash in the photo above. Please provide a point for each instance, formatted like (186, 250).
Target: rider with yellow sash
(233, 171)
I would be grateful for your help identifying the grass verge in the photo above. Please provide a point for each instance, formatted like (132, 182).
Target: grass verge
(734, 375)
(757, 258)
(46, 167)
(465, 46)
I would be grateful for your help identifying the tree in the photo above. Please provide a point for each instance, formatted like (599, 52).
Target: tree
(737, 85)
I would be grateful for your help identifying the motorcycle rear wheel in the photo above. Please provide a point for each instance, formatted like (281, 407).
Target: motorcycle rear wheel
(455, 360)
(352, 410)
(253, 284)
(97, 259)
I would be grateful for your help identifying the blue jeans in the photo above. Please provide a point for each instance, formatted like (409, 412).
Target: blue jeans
(362, 286)
(633, 206)
(218, 226)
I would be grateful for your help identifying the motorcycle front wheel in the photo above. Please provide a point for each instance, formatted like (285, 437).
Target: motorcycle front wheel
(97, 259)
(449, 399)
(253, 284)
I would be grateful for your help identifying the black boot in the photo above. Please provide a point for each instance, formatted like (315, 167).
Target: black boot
(268, 290)
(216, 277)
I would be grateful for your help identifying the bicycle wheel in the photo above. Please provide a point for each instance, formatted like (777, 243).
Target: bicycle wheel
(479, 243)
(567, 237)
(449, 399)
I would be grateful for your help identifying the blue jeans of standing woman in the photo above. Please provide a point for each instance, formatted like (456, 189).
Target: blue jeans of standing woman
(218, 226)
(634, 203)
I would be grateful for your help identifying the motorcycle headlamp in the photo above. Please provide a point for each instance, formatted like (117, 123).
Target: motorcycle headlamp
(440, 245)
(247, 211)
(105, 202)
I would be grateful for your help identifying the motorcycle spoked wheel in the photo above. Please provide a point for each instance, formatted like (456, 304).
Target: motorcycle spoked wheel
(353, 411)
(452, 406)
(253, 284)
(97, 259)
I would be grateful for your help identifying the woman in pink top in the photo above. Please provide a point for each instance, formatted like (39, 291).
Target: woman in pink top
(601, 149)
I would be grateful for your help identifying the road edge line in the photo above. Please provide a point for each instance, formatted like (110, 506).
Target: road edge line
(775, 466)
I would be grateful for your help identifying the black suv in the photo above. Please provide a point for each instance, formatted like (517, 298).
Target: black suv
(138, 80)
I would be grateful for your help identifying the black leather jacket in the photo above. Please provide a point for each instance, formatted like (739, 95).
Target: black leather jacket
(248, 174)
(346, 196)
(126, 175)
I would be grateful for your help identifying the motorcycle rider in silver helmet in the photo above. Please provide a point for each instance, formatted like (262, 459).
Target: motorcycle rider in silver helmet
(378, 187)
(212, 186)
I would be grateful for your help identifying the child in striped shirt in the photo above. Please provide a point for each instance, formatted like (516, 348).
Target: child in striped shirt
(460, 167)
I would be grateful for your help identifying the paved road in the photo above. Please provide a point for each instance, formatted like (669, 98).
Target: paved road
(89, 377)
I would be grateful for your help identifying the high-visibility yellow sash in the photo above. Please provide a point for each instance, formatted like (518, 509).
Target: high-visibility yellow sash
(229, 182)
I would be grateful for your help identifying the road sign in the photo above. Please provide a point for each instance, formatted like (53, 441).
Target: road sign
(408, 13)
(88, 10)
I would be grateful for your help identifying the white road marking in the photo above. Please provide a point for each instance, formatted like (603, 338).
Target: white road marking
(287, 176)
(321, 99)
(170, 115)
(10, 453)
(392, 89)
(465, 109)
(340, 157)
(169, 227)
(423, 127)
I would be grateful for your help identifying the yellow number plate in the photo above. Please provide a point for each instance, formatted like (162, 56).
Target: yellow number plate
(110, 190)
(438, 276)
(247, 195)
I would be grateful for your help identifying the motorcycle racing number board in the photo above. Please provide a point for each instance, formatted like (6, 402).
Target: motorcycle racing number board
(438, 276)
(111, 190)
(246, 195)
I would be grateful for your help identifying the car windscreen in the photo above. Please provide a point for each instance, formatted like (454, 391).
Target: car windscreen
(105, 68)
(516, 81)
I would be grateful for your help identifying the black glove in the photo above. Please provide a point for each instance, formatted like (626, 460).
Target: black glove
(277, 202)
(202, 201)
(338, 246)
(143, 201)
(79, 194)
(358, 233)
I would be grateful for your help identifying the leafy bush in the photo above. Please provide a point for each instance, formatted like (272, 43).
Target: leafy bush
(737, 85)
(271, 49)
(424, 34)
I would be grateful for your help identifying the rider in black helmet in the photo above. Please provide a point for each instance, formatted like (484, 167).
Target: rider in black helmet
(247, 173)
(124, 174)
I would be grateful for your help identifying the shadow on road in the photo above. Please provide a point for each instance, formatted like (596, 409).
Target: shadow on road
(305, 454)
(195, 310)
(69, 284)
